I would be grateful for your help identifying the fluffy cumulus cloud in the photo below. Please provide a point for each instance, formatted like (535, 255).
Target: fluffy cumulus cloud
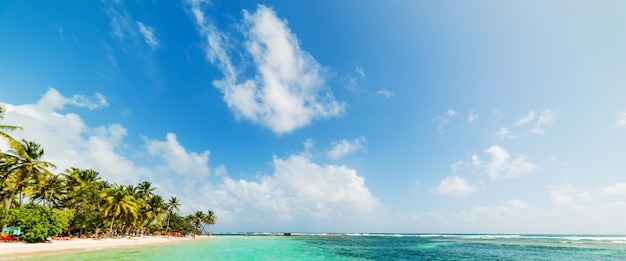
(456, 186)
(300, 187)
(287, 89)
(177, 158)
(343, 147)
(503, 165)
(68, 141)
(499, 164)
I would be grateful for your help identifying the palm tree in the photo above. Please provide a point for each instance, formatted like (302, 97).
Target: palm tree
(5, 159)
(11, 140)
(120, 202)
(209, 219)
(145, 190)
(50, 191)
(83, 189)
(155, 209)
(23, 165)
(172, 204)
(197, 219)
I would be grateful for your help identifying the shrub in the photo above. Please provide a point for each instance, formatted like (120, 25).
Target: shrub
(38, 222)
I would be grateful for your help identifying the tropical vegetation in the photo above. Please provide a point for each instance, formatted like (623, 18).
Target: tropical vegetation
(78, 201)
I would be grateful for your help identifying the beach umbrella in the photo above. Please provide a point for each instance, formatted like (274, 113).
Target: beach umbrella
(8, 229)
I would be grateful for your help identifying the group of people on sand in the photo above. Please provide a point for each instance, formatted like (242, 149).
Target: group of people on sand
(97, 235)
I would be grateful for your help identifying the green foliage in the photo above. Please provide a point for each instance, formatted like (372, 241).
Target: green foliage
(65, 215)
(38, 222)
(181, 225)
(6, 217)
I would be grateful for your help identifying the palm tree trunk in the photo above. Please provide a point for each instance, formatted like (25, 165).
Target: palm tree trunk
(10, 198)
(111, 229)
(168, 225)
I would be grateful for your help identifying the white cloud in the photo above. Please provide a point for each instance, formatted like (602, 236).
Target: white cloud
(177, 158)
(455, 166)
(68, 141)
(503, 165)
(297, 190)
(475, 160)
(300, 187)
(148, 35)
(621, 119)
(386, 93)
(119, 20)
(360, 71)
(445, 119)
(288, 90)
(546, 117)
(54, 100)
(505, 133)
(618, 189)
(343, 147)
(525, 120)
(569, 196)
(309, 144)
(131, 36)
(455, 186)
(472, 116)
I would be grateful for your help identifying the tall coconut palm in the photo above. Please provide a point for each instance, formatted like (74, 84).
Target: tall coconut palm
(50, 191)
(209, 219)
(119, 202)
(145, 190)
(197, 220)
(24, 164)
(172, 204)
(83, 189)
(155, 210)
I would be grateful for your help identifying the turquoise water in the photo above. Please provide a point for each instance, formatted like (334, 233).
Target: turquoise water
(372, 247)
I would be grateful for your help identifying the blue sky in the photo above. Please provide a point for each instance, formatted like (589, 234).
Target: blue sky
(335, 116)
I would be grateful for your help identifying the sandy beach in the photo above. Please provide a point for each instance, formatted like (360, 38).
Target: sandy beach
(19, 249)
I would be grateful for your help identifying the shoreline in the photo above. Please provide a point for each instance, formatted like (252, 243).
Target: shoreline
(14, 250)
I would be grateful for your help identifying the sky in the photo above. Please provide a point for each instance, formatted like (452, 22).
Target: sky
(335, 116)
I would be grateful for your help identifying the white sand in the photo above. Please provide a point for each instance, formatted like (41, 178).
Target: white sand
(19, 249)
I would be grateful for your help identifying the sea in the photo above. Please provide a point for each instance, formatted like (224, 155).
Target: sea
(266, 246)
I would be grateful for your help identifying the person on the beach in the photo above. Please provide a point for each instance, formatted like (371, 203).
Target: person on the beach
(96, 237)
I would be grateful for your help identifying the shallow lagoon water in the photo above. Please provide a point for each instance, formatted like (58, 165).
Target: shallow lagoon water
(371, 247)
